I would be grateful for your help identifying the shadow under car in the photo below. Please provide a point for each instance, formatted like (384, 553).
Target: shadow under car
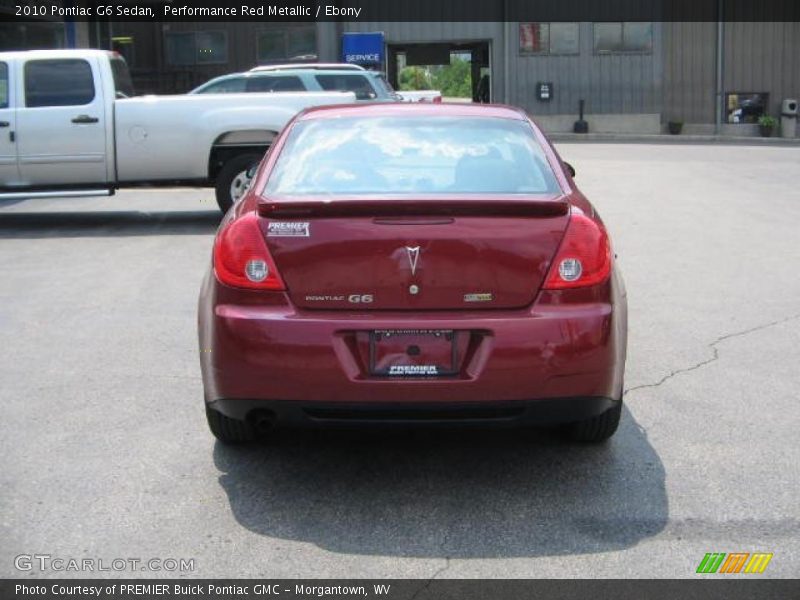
(448, 493)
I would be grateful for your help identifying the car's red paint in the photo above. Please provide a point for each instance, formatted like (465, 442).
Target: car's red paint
(272, 349)
(368, 255)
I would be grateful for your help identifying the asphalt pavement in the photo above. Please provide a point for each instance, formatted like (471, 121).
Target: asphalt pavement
(106, 454)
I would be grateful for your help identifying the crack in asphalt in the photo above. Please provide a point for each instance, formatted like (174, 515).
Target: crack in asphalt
(432, 577)
(715, 353)
(436, 574)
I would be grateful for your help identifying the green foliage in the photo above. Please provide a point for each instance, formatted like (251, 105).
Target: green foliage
(414, 78)
(767, 121)
(453, 80)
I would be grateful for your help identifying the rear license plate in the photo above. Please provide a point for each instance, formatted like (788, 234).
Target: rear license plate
(412, 352)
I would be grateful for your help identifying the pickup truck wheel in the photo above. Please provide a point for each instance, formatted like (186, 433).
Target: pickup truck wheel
(234, 179)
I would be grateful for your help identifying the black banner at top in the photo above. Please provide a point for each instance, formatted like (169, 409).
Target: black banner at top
(402, 10)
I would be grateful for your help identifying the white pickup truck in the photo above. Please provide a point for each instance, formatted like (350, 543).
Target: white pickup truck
(68, 127)
(421, 96)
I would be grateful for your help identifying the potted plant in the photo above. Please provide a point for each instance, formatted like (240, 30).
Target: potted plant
(766, 124)
(675, 127)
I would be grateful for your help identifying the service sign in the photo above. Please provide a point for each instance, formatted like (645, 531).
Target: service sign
(363, 48)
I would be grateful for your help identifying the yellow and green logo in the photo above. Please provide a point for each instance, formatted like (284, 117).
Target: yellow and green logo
(734, 562)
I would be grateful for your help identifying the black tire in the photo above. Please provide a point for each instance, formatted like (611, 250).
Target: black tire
(597, 429)
(227, 430)
(229, 171)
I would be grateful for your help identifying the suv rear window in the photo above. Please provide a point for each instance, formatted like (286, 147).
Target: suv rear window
(226, 86)
(58, 82)
(351, 82)
(381, 81)
(275, 83)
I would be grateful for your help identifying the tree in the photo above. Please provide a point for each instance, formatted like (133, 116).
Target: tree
(454, 80)
(414, 78)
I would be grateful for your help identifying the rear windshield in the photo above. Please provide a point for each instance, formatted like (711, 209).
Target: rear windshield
(381, 83)
(403, 155)
(122, 78)
(387, 87)
(230, 85)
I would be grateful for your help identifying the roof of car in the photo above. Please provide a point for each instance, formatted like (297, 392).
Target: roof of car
(309, 67)
(280, 73)
(60, 53)
(255, 74)
(411, 109)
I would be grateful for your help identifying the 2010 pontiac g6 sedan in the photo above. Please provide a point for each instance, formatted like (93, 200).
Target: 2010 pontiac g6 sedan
(412, 264)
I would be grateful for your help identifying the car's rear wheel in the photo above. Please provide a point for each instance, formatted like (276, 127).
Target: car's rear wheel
(234, 178)
(227, 430)
(597, 429)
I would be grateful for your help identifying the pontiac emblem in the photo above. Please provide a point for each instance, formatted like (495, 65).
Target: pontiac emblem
(413, 257)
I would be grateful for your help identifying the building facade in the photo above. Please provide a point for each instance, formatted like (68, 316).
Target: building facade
(632, 77)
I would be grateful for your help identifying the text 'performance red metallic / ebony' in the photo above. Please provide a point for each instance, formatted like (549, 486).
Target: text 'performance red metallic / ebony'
(404, 264)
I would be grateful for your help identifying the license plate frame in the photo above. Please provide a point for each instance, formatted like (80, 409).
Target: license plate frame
(442, 342)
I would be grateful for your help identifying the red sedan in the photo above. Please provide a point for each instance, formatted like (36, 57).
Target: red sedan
(412, 263)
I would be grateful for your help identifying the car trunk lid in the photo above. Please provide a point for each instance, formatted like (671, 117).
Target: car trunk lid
(414, 254)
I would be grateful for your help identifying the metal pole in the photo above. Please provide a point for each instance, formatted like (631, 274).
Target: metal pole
(506, 57)
(719, 95)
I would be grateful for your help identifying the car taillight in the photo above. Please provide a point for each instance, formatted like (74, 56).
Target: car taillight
(437, 99)
(584, 257)
(241, 257)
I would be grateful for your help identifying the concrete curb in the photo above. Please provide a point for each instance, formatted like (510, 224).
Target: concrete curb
(627, 138)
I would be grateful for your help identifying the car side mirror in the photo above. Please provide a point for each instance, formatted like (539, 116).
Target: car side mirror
(570, 169)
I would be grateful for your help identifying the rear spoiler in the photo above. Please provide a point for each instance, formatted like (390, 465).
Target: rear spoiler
(382, 207)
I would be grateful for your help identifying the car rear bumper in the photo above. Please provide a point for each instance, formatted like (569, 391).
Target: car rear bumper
(564, 355)
(288, 413)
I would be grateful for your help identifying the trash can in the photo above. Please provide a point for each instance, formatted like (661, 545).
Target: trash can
(789, 118)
